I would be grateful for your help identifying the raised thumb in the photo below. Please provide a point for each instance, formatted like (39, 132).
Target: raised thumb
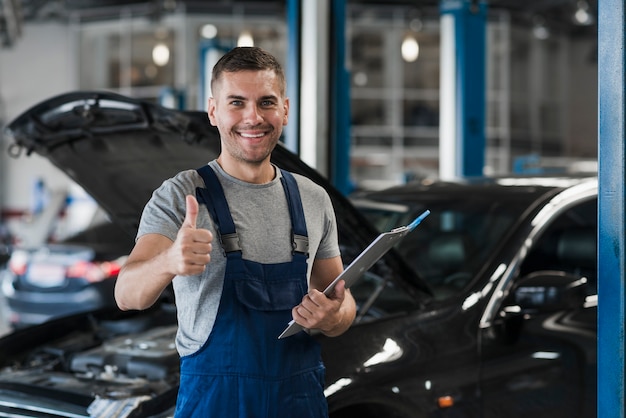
(191, 213)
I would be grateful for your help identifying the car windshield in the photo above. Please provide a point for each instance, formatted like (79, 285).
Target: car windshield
(450, 247)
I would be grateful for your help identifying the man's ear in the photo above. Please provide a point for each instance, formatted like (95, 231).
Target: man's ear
(211, 111)
(286, 107)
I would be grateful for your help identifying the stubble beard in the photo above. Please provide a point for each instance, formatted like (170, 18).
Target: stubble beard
(254, 157)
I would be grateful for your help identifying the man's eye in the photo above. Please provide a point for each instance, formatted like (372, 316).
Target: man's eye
(236, 103)
(267, 103)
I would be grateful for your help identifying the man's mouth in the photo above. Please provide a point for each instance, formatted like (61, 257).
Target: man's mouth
(252, 135)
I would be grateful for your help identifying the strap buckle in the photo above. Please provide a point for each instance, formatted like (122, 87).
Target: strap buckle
(300, 244)
(230, 242)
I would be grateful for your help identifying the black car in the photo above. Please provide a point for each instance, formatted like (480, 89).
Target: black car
(487, 309)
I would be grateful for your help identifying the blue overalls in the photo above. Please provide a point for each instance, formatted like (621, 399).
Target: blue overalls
(244, 370)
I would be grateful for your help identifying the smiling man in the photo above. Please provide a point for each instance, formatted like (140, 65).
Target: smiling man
(248, 247)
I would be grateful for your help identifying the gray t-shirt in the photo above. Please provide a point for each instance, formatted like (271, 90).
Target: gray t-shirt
(262, 220)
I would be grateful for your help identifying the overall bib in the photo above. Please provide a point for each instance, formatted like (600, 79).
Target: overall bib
(243, 370)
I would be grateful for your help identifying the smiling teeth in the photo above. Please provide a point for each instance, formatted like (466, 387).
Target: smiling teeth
(252, 136)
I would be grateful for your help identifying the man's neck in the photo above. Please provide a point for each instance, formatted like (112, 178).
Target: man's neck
(261, 173)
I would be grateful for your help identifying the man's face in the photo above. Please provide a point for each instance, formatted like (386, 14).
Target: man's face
(250, 113)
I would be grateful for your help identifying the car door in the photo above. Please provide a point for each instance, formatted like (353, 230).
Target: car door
(538, 353)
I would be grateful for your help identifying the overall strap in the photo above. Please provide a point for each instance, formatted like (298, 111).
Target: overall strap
(300, 240)
(212, 195)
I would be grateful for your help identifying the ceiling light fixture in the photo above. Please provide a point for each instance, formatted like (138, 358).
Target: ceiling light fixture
(245, 39)
(540, 30)
(410, 48)
(208, 31)
(161, 54)
(582, 16)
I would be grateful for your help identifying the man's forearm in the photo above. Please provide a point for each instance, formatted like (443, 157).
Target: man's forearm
(140, 284)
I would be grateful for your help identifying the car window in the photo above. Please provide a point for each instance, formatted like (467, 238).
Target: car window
(450, 247)
(569, 244)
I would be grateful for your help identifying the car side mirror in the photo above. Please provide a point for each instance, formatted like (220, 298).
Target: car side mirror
(548, 291)
(540, 292)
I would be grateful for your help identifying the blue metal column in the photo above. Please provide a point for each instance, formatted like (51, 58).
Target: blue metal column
(470, 17)
(339, 100)
(292, 131)
(611, 208)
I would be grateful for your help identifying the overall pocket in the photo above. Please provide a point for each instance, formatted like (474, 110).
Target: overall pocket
(269, 294)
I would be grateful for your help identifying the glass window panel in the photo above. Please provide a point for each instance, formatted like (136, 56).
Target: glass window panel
(421, 112)
(367, 59)
(368, 112)
(424, 72)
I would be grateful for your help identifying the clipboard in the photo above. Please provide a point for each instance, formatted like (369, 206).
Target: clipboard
(363, 262)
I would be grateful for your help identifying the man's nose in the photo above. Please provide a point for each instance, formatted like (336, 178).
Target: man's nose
(253, 113)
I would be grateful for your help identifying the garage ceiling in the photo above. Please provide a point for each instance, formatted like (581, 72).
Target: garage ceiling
(13, 13)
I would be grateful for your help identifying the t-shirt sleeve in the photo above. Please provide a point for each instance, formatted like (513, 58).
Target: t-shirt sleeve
(165, 211)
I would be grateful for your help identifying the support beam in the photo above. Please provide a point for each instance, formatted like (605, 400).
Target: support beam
(462, 88)
(314, 93)
(611, 207)
(307, 82)
(340, 100)
(294, 51)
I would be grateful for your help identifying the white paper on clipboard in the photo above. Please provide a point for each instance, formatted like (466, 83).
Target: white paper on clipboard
(363, 262)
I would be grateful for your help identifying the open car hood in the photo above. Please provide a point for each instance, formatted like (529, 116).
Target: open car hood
(117, 148)
(120, 149)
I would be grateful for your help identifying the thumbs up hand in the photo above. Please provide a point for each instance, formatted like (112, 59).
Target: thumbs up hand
(191, 251)
(191, 214)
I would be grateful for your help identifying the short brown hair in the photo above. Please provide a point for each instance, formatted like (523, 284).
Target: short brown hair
(248, 58)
